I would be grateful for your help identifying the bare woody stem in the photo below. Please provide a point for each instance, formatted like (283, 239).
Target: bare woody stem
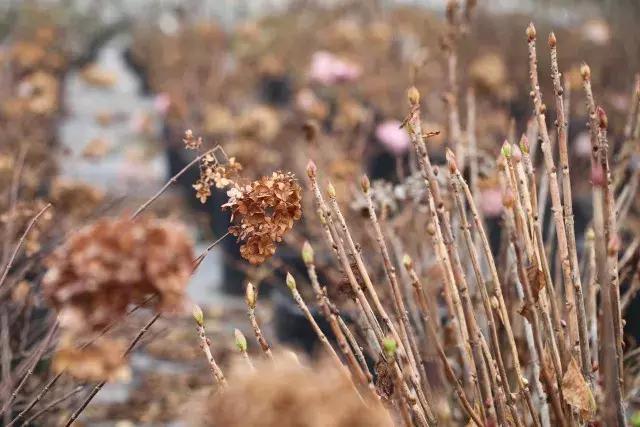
(11, 260)
(251, 300)
(74, 416)
(205, 346)
(502, 307)
(561, 124)
(442, 222)
(172, 180)
(402, 317)
(604, 226)
(332, 316)
(554, 191)
(456, 178)
(429, 326)
(533, 318)
(291, 284)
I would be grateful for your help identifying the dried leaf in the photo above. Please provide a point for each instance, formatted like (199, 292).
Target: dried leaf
(526, 311)
(577, 393)
(384, 379)
(536, 280)
(547, 366)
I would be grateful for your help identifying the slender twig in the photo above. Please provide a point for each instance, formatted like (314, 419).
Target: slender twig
(11, 260)
(251, 300)
(571, 296)
(74, 416)
(561, 124)
(205, 346)
(202, 256)
(241, 345)
(51, 405)
(603, 220)
(430, 327)
(34, 361)
(332, 316)
(442, 222)
(456, 178)
(172, 180)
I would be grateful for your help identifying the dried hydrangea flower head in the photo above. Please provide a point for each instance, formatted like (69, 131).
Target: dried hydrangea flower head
(107, 266)
(190, 141)
(263, 212)
(287, 394)
(212, 171)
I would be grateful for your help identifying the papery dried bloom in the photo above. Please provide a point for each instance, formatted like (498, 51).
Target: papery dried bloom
(224, 175)
(263, 212)
(107, 266)
(286, 394)
(190, 141)
(214, 173)
(203, 190)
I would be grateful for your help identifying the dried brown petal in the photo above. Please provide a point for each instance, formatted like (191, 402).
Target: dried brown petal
(577, 393)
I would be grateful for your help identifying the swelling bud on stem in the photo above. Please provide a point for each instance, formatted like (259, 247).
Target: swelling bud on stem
(291, 282)
(506, 150)
(407, 261)
(365, 183)
(451, 161)
(390, 347)
(524, 144)
(413, 95)
(585, 71)
(250, 295)
(603, 120)
(240, 340)
(198, 315)
(531, 32)
(331, 190)
(307, 253)
(312, 169)
(552, 40)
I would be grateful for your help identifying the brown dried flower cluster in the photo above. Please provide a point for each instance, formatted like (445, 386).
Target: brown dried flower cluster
(107, 266)
(287, 394)
(213, 173)
(190, 141)
(263, 212)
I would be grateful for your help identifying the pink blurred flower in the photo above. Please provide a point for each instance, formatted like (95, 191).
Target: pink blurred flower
(582, 145)
(327, 69)
(490, 201)
(392, 137)
(161, 103)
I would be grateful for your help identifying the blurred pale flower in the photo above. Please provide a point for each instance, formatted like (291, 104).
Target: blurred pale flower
(596, 31)
(161, 103)
(328, 69)
(490, 201)
(392, 137)
(582, 145)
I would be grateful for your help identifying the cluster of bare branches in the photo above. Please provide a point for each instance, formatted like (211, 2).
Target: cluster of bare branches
(511, 343)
